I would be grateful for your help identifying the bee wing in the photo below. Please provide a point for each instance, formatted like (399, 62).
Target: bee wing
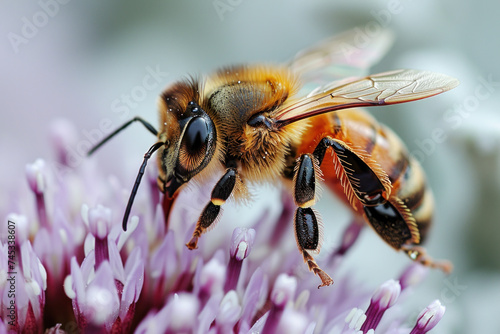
(379, 89)
(348, 54)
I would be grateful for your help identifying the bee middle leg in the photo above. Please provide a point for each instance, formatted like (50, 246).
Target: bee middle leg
(211, 212)
(307, 227)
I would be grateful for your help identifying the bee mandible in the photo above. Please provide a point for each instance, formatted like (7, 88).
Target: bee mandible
(252, 124)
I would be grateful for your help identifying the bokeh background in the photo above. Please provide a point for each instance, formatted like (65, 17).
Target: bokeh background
(79, 59)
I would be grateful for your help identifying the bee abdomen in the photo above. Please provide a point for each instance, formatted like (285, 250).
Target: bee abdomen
(408, 180)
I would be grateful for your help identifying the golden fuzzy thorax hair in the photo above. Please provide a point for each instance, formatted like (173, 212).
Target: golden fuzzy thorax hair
(236, 94)
(231, 97)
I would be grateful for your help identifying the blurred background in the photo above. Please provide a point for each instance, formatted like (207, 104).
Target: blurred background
(91, 62)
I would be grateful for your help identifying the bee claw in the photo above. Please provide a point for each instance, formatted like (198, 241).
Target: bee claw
(326, 280)
(193, 243)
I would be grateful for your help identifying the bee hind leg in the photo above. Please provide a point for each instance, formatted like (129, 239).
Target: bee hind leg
(396, 225)
(211, 212)
(307, 227)
(419, 254)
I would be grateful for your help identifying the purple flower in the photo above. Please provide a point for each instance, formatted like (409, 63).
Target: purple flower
(383, 298)
(77, 270)
(429, 318)
(99, 225)
(35, 173)
(24, 278)
(241, 245)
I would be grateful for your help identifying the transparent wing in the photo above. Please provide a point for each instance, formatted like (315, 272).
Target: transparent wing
(349, 54)
(379, 89)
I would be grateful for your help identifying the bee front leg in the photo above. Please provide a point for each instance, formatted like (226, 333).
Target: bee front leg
(211, 212)
(307, 226)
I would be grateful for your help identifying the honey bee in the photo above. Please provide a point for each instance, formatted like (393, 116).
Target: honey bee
(252, 124)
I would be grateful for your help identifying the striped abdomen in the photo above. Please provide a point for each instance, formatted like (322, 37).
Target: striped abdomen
(362, 131)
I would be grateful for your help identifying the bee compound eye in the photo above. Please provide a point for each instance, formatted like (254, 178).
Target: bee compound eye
(196, 136)
(196, 146)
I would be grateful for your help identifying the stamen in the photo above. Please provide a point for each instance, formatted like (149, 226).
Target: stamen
(355, 319)
(241, 245)
(184, 308)
(35, 174)
(413, 275)
(63, 135)
(429, 318)
(283, 292)
(383, 298)
(99, 222)
(351, 234)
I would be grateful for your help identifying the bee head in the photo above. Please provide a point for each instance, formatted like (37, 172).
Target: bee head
(189, 135)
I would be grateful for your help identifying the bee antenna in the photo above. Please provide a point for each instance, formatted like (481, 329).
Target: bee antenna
(111, 135)
(148, 154)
